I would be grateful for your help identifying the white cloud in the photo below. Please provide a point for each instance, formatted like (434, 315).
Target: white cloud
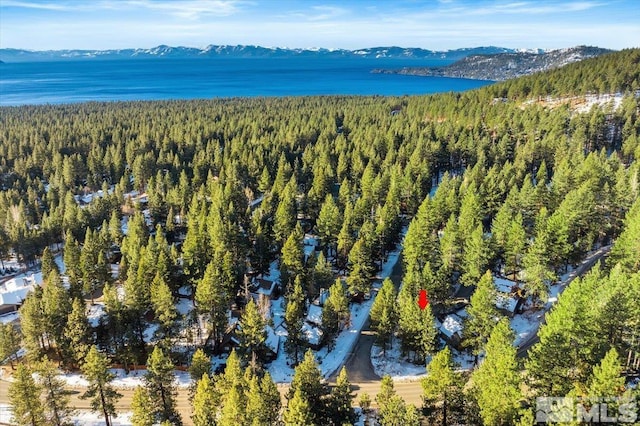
(31, 5)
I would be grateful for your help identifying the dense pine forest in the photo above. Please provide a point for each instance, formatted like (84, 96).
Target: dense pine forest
(151, 204)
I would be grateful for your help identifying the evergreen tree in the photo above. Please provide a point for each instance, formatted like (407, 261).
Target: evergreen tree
(233, 410)
(33, 323)
(515, 245)
(392, 410)
(385, 299)
(56, 402)
(286, 214)
(497, 379)
(48, 263)
(293, 318)
(442, 389)
(141, 415)
(160, 384)
(342, 401)
(212, 300)
(292, 259)
(77, 331)
(360, 267)
(252, 333)
(608, 379)
(71, 258)
(9, 343)
(322, 274)
(450, 246)
(56, 306)
(476, 257)
(100, 392)
(163, 304)
(204, 403)
(200, 364)
(307, 380)
(482, 315)
(298, 411)
(329, 223)
(416, 327)
(24, 397)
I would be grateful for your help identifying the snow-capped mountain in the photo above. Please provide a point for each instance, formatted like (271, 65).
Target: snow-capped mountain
(212, 51)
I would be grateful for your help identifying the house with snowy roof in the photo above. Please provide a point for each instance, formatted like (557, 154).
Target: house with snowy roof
(451, 328)
(509, 296)
(14, 291)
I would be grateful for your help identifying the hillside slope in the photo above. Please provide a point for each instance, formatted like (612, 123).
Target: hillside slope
(505, 66)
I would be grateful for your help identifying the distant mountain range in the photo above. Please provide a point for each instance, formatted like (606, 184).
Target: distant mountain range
(241, 51)
(504, 65)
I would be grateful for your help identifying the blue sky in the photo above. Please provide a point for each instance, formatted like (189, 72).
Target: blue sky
(431, 24)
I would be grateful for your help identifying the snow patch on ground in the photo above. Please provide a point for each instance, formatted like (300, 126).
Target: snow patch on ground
(83, 417)
(96, 311)
(123, 380)
(394, 364)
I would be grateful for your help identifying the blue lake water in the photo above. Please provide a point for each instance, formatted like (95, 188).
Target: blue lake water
(201, 78)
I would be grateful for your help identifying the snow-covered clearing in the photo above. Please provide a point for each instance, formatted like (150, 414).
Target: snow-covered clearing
(123, 380)
(84, 418)
(394, 364)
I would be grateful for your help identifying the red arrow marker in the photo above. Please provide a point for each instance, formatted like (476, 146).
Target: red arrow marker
(423, 300)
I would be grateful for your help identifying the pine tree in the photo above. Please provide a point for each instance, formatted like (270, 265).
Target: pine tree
(160, 384)
(33, 323)
(329, 223)
(482, 314)
(307, 380)
(57, 406)
(204, 403)
(497, 379)
(200, 364)
(291, 261)
(101, 393)
(386, 392)
(293, 318)
(392, 410)
(141, 415)
(338, 299)
(71, 258)
(48, 263)
(77, 331)
(416, 327)
(252, 333)
(360, 267)
(608, 379)
(163, 305)
(450, 246)
(233, 407)
(322, 274)
(515, 246)
(286, 214)
(56, 306)
(24, 398)
(475, 258)
(9, 343)
(385, 299)
(342, 400)
(270, 412)
(442, 388)
(212, 299)
(470, 211)
(298, 411)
